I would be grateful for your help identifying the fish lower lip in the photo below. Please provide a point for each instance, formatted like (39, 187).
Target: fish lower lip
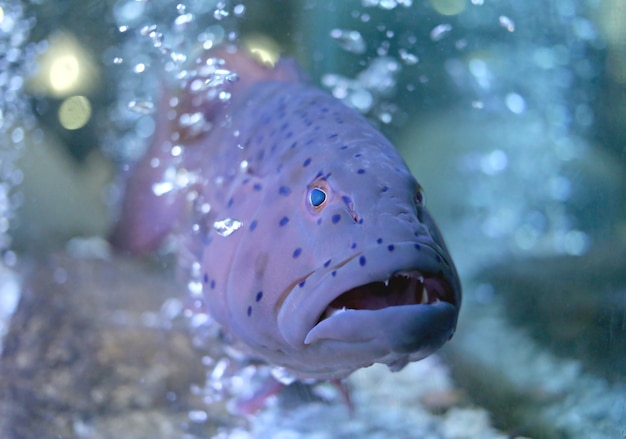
(402, 288)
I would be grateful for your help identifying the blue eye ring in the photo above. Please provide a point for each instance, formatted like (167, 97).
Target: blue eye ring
(317, 198)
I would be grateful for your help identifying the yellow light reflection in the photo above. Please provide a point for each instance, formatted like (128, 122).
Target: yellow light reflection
(64, 72)
(65, 69)
(263, 48)
(449, 7)
(1, 14)
(74, 112)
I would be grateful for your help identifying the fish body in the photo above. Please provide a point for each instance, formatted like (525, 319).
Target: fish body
(314, 246)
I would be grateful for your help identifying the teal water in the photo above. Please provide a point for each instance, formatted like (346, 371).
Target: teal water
(510, 114)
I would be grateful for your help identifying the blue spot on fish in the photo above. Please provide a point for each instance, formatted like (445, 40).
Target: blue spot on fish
(259, 296)
(206, 278)
(284, 220)
(361, 171)
(253, 225)
(230, 202)
(306, 163)
(391, 247)
(362, 261)
(257, 187)
(249, 311)
(297, 252)
(379, 241)
(418, 247)
(301, 284)
(336, 218)
(212, 284)
(284, 190)
(353, 246)
(327, 263)
(334, 273)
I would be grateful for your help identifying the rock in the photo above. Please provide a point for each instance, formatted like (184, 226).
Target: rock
(88, 354)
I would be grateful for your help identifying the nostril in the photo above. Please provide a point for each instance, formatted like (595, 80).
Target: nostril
(419, 198)
(350, 208)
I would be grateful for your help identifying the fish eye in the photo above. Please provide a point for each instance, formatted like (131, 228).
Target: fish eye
(317, 197)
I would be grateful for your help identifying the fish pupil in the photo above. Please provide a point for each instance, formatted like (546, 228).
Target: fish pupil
(317, 197)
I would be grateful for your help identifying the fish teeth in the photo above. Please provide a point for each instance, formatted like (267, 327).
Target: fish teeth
(333, 311)
(386, 282)
(425, 298)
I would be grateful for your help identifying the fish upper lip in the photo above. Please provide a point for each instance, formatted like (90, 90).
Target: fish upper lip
(431, 275)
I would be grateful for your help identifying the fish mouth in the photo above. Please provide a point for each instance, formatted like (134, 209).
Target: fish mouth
(401, 289)
(376, 306)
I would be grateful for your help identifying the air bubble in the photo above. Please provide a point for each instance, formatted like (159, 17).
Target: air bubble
(183, 20)
(506, 23)
(349, 40)
(239, 10)
(141, 107)
(439, 32)
(515, 103)
(139, 68)
(408, 58)
(227, 226)
(162, 187)
(220, 14)
(198, 416)
(386, 4)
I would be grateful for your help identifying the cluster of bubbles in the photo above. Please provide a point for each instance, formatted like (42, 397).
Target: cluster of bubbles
(16, 59)
(16, 121)
(165, 48)
(371, 90)
(499, 69)
(160, 46)
(523, 191)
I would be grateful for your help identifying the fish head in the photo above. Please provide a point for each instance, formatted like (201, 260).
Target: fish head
(346, 265)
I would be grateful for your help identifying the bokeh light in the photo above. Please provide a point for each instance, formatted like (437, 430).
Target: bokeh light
(74, 112)
(264, 48)
(66, 68)
(449, 7)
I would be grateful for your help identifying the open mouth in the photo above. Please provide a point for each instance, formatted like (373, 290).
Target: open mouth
(402, 288)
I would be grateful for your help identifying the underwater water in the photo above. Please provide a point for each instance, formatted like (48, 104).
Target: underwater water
(511, 117)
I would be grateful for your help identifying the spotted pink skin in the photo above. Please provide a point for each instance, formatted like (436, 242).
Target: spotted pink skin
(269, 282)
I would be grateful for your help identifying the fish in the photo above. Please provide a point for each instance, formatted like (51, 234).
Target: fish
(306, 232)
